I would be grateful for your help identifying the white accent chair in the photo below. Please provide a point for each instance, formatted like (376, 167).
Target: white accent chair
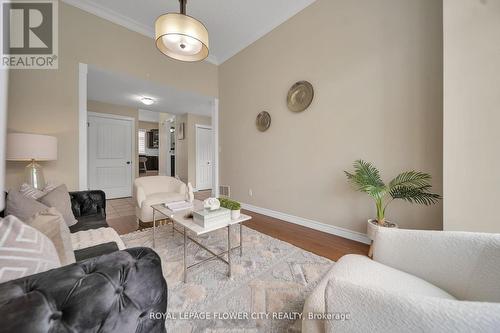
(419, 281)
(155, 190)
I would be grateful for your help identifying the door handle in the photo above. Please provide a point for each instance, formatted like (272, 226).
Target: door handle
(128, 162)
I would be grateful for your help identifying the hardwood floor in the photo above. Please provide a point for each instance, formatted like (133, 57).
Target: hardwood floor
(321, 243)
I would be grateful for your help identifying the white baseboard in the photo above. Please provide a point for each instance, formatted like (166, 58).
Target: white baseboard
(345, 233)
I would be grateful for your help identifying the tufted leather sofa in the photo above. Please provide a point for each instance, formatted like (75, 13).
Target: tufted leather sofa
(111, 293)
(89, 208)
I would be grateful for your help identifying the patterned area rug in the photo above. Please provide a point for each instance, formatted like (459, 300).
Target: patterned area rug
(266, 293)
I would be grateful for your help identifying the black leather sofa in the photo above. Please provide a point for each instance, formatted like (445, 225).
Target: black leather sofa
(89, 208)
(104, 291)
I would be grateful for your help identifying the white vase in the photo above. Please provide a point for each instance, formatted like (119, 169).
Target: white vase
(235, 214)
(373, 227)
(372, 230)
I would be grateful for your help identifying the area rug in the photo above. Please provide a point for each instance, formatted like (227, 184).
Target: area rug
(266, 292)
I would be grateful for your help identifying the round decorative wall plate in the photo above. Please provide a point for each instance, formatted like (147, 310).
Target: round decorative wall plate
(263, 121)
(300, 96)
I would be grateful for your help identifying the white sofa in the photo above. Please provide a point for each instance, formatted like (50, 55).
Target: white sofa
(155, 190)
(419, 281)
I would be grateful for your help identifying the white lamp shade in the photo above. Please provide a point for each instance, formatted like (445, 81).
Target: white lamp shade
(181, 37)
(27, 147)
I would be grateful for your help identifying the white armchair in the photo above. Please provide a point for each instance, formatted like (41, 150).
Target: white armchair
(154, 190)
(419, 281)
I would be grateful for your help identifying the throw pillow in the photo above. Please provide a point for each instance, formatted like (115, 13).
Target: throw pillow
(51, 223)
(31, 192)
(59, 198)
(24, 250)
(92, 237)
(22, 207)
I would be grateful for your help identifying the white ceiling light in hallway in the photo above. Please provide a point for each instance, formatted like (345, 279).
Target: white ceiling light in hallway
(181, 37)
(147, 101)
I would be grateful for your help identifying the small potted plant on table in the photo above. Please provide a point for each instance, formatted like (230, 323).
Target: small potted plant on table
(233, 206)
(411, 186)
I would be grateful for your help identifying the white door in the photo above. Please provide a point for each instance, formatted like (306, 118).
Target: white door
(204, 154)
(110, 155)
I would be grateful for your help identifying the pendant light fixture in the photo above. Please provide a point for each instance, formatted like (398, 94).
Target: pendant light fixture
(180, 36)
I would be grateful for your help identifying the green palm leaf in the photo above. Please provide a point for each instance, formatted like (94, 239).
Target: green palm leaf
(418, 195)
(411, 186)
(411, 179)
(366, 178)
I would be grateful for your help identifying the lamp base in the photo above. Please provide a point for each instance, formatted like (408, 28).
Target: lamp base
(34, 175)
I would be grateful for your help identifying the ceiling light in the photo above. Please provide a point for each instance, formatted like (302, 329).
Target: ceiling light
(147, 101)
(180, 36)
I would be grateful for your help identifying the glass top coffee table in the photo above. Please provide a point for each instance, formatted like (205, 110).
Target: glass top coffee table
(181, 218)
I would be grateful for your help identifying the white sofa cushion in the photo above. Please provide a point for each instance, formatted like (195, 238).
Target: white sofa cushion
(87, 238)
(380, 309)
(362, 270)
(146, 212)
(163, 197)
(465, 264)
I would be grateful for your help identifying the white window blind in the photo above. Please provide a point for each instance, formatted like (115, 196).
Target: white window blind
(142, 141)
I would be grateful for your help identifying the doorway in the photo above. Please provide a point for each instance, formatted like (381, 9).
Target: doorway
(204, 157)
(118, 89)
(110, 154)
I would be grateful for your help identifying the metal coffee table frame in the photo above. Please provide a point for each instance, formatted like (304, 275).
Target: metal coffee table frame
(188, 224)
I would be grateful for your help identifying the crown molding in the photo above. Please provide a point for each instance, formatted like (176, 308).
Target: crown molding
(111, 15)
(122, 20)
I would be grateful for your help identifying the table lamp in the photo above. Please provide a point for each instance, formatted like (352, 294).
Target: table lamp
(34, 148)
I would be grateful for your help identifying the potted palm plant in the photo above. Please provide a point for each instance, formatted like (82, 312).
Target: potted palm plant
(411, 186)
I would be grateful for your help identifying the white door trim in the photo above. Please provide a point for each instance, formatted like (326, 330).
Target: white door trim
(168, 160)
(82, 127)
(196, 126)
(133, 138)
(215, 133)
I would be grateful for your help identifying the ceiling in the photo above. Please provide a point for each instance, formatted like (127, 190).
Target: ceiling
(121, 89)
(232, 24)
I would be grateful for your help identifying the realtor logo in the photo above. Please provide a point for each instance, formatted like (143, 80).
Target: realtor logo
(29, 34)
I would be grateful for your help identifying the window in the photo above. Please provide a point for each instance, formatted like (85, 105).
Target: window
(142, 141)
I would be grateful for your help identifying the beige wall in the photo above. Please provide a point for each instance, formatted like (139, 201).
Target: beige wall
(181, 149)
(46, 101)
(471, 115)
(100, 107)
(376, 67)
(146, 125)
(192, 121)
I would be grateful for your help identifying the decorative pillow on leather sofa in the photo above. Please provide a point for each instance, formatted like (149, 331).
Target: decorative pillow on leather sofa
(51, 223)
(60, 199)
(24, 250)
(31, 192)
(21, 206)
